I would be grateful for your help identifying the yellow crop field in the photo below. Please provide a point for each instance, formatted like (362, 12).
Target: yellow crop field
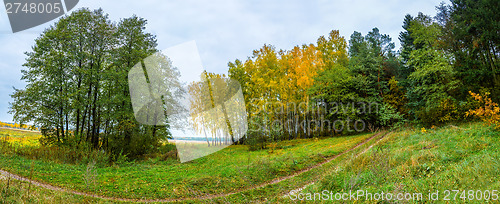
(20, 138)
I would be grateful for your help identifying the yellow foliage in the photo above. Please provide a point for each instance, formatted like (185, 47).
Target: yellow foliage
(448, 111)
(423, 130)
(396, 97)
(489, 111)
(272, 147)
(18, 126)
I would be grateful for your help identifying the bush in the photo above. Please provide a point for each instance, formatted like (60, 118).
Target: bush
(387, 115)
(256, 141)
(396, 96)
(446, 110)
(65, 154)
(488, 111)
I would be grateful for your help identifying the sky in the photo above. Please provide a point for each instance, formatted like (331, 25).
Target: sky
(223, 30)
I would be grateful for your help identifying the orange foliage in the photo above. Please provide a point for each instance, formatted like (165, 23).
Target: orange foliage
(305, 63)
(488, 111)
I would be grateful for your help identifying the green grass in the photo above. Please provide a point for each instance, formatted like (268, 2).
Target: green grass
(13, 191)
(225, 171)
(410, 161)
(275, 193)
(406, 161)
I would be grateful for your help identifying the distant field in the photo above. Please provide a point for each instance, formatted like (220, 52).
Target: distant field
(20, 137)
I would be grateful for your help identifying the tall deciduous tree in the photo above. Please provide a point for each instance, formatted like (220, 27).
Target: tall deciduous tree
(77, 89)
(433, 82)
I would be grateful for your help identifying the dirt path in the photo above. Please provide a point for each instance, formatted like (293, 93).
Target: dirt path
(204, 197)
(364, 151)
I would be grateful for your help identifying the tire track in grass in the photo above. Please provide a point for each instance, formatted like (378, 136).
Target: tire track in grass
(297, 190)
(204, 197)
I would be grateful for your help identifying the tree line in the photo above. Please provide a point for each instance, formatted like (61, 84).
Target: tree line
(426, 81)
(78, 92)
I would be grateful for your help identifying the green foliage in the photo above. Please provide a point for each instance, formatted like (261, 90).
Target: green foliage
(407, 46)
(432, 86)
(424, 32)
(256, 141)
(362, 81)
(446, 56)
(387, 115)
(333, 85)
(475, 43)
(371, 60)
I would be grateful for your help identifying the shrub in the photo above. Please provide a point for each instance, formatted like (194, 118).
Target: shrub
(446, 110)
(488, 111)
(396, 96)
(256, 141)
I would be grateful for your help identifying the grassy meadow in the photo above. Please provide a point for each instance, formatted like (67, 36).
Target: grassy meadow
(410, 160)
(234, 168)
(423, 161)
